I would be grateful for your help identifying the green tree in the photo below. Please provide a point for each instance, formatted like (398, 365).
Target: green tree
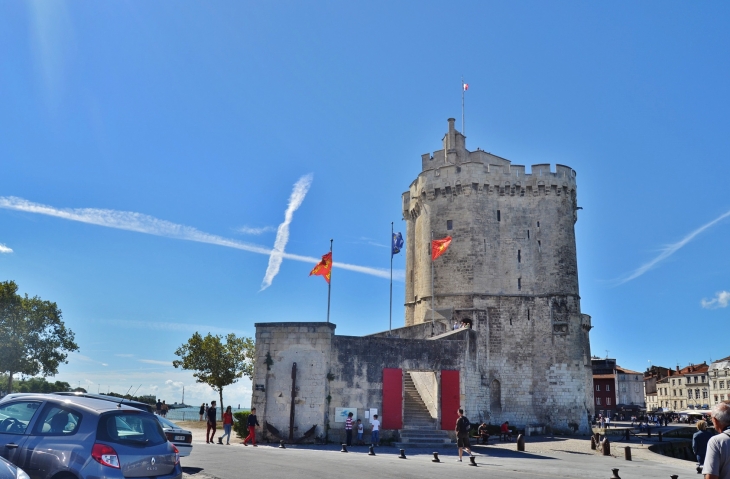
(216, 363)
(33, 338)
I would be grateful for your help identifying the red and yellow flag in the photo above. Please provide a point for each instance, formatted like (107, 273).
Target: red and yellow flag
(324, 267)
(438, 247)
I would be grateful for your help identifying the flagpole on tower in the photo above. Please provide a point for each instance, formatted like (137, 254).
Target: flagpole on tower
(390, 320)
(463, 131)
(329, 286)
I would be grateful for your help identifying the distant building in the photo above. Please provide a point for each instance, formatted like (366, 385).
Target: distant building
(616, 390)
(630, 387)
(686, 388)
(652, 376)
(718, 375)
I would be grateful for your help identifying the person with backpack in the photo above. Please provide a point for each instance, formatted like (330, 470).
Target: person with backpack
(462, 434)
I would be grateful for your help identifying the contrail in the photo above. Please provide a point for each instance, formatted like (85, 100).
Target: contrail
(282, 234)
(5, 249)
(141, 223)
(671, 249)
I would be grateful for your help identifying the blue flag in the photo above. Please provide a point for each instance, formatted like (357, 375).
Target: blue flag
(397, 244)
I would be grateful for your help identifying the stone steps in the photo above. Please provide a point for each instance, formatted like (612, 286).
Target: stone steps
(419, 428)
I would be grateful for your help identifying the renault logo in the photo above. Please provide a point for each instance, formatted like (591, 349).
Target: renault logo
(152, 461)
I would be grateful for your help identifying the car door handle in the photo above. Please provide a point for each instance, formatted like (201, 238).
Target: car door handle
(11, 446)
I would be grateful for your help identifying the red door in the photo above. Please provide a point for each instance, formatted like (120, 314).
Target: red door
(450, 399)
(392, 414)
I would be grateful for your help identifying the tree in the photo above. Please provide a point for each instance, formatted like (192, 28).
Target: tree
(215, 363)
(33, 338)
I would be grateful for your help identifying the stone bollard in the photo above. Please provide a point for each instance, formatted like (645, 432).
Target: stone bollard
(660, 436)
(435, 457)
(344, 448)
(593, 443)
(606, 447)
(402, 454)
(627, 453)
(521, 442)
(371, 451)
(615, 474)
(281, 445)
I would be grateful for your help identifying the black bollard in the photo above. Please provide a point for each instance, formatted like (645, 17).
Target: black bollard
(628, 435)
(402, 454)
(627, 453)
(472, 461)
(344, 448)
(648, 431)
(371, 452)
(593, 443)
(281, 445)
(521, 442)
(615, 474)
(674, 476)
(660, 436)
(435, 457)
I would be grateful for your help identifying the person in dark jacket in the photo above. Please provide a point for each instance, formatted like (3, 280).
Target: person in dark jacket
(699, 444)
(252, 423)
(211, 426)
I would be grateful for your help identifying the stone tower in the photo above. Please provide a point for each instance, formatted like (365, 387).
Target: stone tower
(511, 271)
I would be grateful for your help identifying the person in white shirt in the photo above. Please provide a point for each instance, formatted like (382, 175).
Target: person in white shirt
(375, 436)
(717, 458)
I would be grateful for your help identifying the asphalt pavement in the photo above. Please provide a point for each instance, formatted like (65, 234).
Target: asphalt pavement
(213, 461)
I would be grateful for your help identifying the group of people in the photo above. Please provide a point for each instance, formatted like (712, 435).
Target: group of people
(360, 429)
(161, 408)
(212, 421)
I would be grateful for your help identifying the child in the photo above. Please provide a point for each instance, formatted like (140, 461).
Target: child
(360, 430)
(375, 437)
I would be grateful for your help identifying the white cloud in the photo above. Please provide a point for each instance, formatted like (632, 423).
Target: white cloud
(250, 230)
(721, 300)
(154, 361)
(282, 234)
(669, 250)
(5, 249)
(141, 223)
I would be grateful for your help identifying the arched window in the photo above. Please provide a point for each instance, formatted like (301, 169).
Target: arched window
(496, 396)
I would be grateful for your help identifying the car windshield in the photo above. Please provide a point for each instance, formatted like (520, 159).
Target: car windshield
(167, 423)
(130, 427)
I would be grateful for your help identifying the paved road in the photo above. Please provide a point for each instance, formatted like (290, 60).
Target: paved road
(210, 461)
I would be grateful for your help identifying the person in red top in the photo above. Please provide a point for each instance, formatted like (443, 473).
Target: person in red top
(227, 424)
(348, 429)
(505, 432)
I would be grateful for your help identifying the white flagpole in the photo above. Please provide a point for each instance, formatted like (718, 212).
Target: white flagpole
(463, 131)
(390, 321)
(329, 284)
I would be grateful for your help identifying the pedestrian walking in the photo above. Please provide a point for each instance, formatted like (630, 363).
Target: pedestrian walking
(202, 411)
(210, 427)
(164, 409)
(375, 431)
(717, 459)
(462, 434)
(227, 424)
(348, 429)
(158, 407)
(251, 423)
(699, 444)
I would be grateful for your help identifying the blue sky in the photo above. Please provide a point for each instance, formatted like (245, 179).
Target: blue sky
(150, 150)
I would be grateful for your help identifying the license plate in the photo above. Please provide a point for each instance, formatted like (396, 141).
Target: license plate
(179, 438)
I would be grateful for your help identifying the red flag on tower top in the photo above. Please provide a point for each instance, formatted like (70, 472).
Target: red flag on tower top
(438, 247)
(466, 86)
(324, 267)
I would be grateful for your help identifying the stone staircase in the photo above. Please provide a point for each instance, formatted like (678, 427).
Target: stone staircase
(419, 428)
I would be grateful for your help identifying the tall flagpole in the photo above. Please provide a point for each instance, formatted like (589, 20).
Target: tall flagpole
(329, 284)
(463, 131)
(433, 302)
(390, 320)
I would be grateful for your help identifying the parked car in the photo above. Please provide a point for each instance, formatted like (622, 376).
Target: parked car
(50, 436)
(139, 405)
(8, 470)
(181, 438)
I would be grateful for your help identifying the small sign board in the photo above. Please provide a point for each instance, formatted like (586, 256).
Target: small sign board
(342, 412)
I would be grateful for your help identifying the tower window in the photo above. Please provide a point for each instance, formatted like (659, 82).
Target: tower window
(538, 224)
(499, 216)
(519, 256)
(539, 244)
(449, 225)
(458, 169)
(528, 234)
(528, 314)
(519, 283)
(437, 191)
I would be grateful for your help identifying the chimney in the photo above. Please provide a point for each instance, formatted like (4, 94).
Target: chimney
(677, 367)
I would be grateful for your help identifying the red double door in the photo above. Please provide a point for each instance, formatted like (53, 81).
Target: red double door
(392, 414)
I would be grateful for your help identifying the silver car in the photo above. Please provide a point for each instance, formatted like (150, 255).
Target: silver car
(52, 436)
(181, 438)
(9, 470)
